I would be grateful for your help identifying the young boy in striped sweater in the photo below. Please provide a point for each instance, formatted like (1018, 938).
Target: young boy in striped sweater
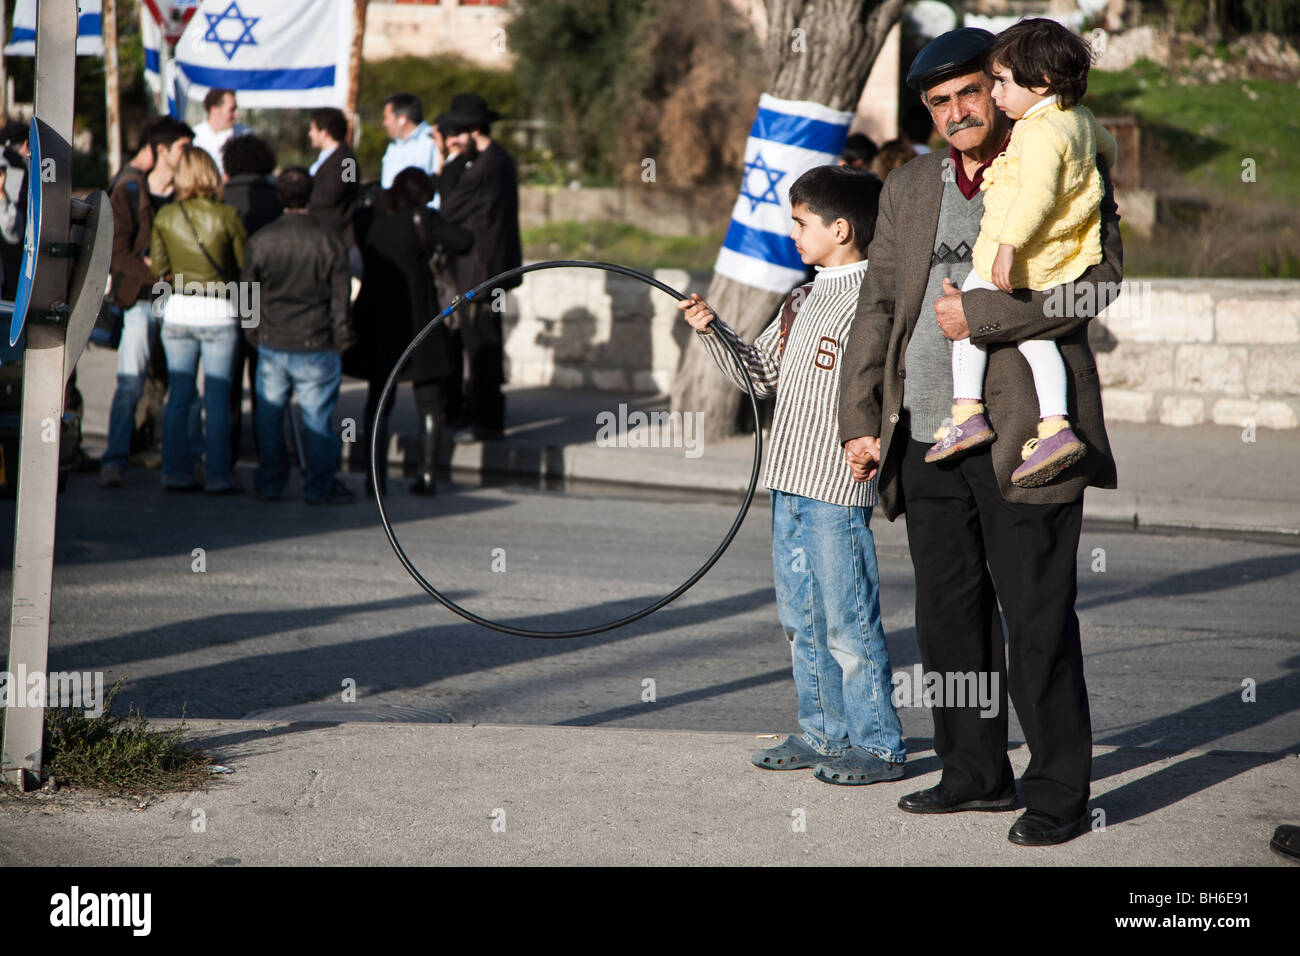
(823, 553)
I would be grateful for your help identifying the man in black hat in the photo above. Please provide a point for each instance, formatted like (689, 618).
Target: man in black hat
(976, 539)
(480, 192)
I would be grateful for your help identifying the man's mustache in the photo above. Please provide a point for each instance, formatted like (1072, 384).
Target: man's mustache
(967, 123)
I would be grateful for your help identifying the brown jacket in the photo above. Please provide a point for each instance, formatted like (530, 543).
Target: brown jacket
(128, 194)
(872, 374)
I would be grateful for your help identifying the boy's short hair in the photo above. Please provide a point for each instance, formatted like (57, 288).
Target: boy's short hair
(1038, 48)
(841, 192)
(293, 187)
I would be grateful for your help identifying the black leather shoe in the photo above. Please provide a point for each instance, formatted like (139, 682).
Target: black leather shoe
(1035, 828)
(939, 800)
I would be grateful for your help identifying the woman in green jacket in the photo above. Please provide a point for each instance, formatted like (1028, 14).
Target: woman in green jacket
(198, 246)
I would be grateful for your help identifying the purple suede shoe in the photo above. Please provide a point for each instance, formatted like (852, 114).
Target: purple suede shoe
(1045, 458)
(971, 433)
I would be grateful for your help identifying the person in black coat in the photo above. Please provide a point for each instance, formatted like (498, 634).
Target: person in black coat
(397, 235)
(336, 178)
(248, 162)
(480, 191)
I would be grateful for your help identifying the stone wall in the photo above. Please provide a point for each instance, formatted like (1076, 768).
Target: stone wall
(1188, 351)
(1169, 351)
(583, 328)
(655, 207)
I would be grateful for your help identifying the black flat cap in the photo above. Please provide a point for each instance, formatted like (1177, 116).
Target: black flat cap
(952, 54)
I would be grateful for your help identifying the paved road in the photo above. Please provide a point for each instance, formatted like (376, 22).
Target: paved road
(296, 600)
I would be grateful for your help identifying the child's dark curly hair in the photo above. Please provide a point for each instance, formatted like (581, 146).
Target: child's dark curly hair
(1041, 52)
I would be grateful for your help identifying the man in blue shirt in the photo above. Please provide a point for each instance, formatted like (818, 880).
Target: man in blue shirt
(410, 139)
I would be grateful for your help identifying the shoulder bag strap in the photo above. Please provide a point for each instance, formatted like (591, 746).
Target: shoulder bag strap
(202, 248)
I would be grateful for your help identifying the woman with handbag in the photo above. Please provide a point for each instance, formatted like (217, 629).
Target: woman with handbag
(198, 242)
(398, 235)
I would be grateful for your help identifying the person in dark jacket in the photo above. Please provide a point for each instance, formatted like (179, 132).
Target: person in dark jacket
(397, 235)
(136, 192)
(248, 162)
(483, 197)
(336, 178)
(301, 271)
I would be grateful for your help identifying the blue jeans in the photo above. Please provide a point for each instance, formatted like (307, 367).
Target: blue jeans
(827, 595)
(138, 326)
(314, 378)
(184, 345)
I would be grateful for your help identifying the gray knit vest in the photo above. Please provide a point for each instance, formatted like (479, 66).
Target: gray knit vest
(927, 388)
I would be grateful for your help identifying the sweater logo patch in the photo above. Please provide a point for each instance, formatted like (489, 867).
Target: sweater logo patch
(826, 351)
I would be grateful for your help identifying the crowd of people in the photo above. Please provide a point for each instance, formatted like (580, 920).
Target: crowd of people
(293, 279)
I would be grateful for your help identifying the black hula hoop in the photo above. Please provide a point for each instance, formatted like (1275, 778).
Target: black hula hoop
(447, 602)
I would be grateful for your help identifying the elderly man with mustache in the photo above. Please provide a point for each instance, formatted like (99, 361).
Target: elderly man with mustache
(976, 539)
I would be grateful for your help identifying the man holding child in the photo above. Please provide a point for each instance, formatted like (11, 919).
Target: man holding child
(977, 539)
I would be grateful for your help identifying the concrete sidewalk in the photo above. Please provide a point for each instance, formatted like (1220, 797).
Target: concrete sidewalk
(419, 794)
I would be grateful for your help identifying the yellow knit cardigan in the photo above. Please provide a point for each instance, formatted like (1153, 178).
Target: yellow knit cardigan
(1042, 195)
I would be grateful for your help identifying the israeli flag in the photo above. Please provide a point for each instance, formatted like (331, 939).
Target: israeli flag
(274, 53)
(788, 138)
(151, 38)
(90, 29)
(158, 70)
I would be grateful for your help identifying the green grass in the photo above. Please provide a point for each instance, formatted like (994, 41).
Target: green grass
(1206, 130)
(620, 243)
(118, 755)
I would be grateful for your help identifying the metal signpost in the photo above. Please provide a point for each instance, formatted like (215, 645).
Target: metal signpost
(61, 286)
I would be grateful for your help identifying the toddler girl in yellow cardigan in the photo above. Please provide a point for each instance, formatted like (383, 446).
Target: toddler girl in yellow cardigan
(1041, 228)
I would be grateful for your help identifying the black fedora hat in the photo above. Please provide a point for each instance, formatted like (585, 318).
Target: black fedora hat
(953, 54)
(467, 109)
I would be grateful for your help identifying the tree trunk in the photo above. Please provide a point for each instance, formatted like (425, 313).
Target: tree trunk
(829, 65)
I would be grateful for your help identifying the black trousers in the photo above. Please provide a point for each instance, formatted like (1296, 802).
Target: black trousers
(432, 397)
(971, 549)
(480, 330)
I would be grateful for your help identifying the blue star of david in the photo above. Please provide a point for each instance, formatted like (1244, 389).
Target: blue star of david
(768, 194)
(246, 24)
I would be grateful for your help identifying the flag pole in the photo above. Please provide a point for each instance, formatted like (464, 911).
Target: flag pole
(354, 68)
(111, 92)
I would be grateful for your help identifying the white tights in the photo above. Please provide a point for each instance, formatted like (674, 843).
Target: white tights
(1044, 358)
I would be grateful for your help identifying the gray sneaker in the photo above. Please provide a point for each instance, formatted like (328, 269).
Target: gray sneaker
(856, 768)
(110, 476)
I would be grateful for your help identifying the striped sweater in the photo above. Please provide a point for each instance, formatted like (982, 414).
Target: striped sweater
(804, 456)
